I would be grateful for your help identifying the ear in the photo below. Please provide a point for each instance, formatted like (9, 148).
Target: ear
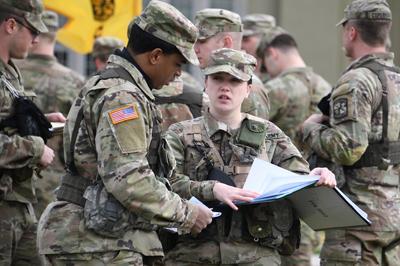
(353, 33)
(155, 56)
(227, 41)
(11, 25)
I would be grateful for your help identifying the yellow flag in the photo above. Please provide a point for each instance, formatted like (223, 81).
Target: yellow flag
(89, 19)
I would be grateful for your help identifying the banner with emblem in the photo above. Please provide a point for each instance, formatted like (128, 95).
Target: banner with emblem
(89, 19)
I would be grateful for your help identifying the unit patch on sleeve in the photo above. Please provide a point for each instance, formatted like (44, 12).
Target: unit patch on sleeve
(340, 108)
(128, 112)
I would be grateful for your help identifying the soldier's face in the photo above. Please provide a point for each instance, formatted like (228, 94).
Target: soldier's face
(167, 69)
(226, 93)
(346, 39)
(204, 48)
(23, 39)
(250, 44)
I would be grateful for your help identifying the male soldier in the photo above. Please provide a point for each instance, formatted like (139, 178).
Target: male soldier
(254, 26)
(220, 28)
(20, 156)
(110, 144)
(223, 144)
(362, 135)
(103, 47)
(295, 89)
(182, 99)
(294, 92)
(56, 87)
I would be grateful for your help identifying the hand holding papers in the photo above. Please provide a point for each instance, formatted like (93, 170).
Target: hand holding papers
(320, 207)
(57, 128)
(273, 182)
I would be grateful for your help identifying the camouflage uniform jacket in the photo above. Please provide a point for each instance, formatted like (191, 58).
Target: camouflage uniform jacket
(356, 120)
(19, 156)
(294, 95)
(176, 112)
(114, 144)
(56, 87)
(258, 103)
(189, 178)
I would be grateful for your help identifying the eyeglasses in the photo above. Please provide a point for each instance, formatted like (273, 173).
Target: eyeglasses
(35, 33)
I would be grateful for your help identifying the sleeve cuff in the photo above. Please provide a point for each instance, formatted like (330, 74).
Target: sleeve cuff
(203, 190)
(308, 129)
(38, 149)
(191, 217)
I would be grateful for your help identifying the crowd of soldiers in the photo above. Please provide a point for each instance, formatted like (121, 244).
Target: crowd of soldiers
(142, 137)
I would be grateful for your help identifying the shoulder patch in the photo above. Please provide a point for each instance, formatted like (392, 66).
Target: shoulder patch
(340, 108)
(122, 114)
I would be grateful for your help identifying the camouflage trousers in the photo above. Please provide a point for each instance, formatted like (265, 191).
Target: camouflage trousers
(310, 240)
(17, 234)
(122, 257)
(351, 247)
(264, 261)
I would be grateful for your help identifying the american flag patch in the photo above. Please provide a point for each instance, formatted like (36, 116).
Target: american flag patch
(122, 114)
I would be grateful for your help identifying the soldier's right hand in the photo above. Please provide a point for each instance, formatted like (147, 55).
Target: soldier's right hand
(228, 194)
(204, 218)
(47, 157)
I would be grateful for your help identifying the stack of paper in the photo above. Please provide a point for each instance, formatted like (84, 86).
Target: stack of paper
(320, 207)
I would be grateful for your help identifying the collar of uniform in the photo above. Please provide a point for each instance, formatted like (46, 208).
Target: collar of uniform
(11, 72)
(213, 126)
(387, 57)
(42, 57)
(296, 70)
(135, 73)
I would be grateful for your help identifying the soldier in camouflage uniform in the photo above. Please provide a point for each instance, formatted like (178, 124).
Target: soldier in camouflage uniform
(254, 26)
(103, 47)
(110, 141)
(294, 92)
(20, 157)
(295, 89)
(230, 140)
(56, 87)
(362, 134)
(220, 28)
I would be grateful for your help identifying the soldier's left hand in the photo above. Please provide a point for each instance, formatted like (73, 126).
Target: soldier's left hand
(327, 178)
(56, 117)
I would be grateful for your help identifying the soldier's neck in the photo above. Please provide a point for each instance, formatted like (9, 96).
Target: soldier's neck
(231, 119)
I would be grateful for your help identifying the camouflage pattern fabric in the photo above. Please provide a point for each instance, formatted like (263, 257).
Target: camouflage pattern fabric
(211, 21)
(119, 158)
(367, 10)
(176, 112)
(166, 23)
(19, 158)
(122, 257)
(238, 64)
(257, 23)
(105, 45)
(31, 11)
(56, 87)
(294, 95)
(189, 179)
(356, 120)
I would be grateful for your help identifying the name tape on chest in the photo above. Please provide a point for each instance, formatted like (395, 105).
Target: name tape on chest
(123, 114)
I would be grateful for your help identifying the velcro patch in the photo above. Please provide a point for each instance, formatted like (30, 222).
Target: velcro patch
(128, 112)
(340, 108)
